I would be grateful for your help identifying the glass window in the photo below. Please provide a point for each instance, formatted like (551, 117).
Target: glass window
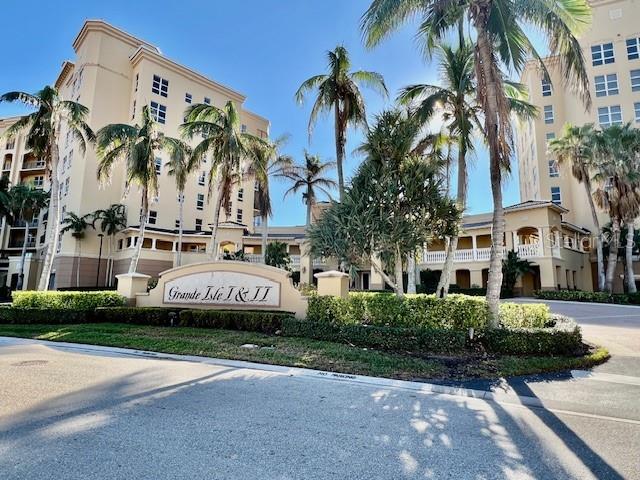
(548, 114)
(608, 116)
(200, 201)
(158, 112)
(38, 181)
(606, 85)
(636, 108)
(133, 110)
(633, 48)
(207, 100)
(158, 163)
(243, 128)
(137, 78)
(602, 54)
(553, 169)
(257, 221)
(550, 136)
(160, 85)
(555, 195)
(201, 178)
(198, 224)
(635, 80)
(188, 98)
(177, 223)
(66, 186)
(69, 158)
(240, 194)
(239, 215)
(153, 217)
(546, 88)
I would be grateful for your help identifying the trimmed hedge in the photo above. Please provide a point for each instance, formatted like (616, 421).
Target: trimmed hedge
(520, 315)
(43, 316)
(597, 297)
(154, 316)
(67, 300)
(421, 340)
(249, 320)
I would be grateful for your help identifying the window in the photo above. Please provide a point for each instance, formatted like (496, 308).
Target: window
(70, 158)
(158, 165)
(546, 88)
(66, 141)
(635, 80)
(38, 181)
(240, 194)
(200, 201)
(602, 54)
(555, 195)
(188, 97)
(550, 136)
(207, 100)
(607, 84)
(198, 224)
(548, 114)
(239, 215)
(633, 48)
(158, 112)
(553, 169)
(257, 221)
(608, 116)
(160, 86)
(636, 108)
(11, 143)
(228, 210)
(243, 128)
(137, 78)
(64, 163)
(201, 178)
(177, 223)
(133, 110)
(66, 187)
(153, 217)
(262, 134)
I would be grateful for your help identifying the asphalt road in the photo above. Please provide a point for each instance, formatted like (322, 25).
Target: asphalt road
(69, 414)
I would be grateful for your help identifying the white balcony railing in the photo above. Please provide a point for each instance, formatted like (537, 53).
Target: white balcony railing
(253, 257)
(479, 254)
(531, 250)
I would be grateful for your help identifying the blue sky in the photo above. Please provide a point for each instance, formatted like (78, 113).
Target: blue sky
(263, 49)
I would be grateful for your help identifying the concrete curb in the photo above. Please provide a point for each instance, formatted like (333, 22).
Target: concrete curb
(419, 387)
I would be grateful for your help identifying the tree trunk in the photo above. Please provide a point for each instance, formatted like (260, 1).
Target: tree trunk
(53, 225)
(217, 205)
(631, 281)
(107, 279)
(143, 222)
(445, 277)
(384, 276)
(411, 273)
(596, 223)
(612, 261)
(78, 263)
(265, 235)
(23, 256)
(340, 146)
(487, 82)
(398, 273)
(180, 227)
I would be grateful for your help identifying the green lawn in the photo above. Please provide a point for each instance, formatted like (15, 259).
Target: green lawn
(298, 352)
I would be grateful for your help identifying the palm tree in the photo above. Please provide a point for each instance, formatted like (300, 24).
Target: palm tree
(338, 91)
(575, 147)
(267, 163)
(501, 45)
(138, 146)
(618, 191)
(111, 221)
(180, 167)
(310, 178)
(5, 198)
(25, 202)
(43, 126)
(228, 148)
(77, 225)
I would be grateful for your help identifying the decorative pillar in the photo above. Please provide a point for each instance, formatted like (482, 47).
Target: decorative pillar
(333, 283)
(130, 284)
(153, 243)
(474, 244)
(174, 246)
(540, 242)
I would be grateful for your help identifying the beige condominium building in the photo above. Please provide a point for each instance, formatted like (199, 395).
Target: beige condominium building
(611, 50)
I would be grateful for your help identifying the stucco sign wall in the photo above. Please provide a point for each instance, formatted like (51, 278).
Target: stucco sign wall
(225, 285)
(223, 288)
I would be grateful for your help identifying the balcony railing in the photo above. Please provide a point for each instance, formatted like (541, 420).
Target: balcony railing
(22, 224)
(33, 164)
(18, 243)
(532, 250)
(256, 258)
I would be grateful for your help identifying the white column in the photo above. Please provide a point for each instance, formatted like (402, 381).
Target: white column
(474, 244)
(174, 246)
(540, 242)
(153, 244)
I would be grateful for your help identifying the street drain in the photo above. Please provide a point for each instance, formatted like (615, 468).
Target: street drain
(29, 363)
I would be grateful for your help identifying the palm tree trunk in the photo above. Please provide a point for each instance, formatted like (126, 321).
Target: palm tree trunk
(488, 82)
(612, 261)
(107, 279)
(397, 271)
(53, 226)
(596, 223)
(143, 223)
(631, 281)
(181, 220)
(340, 146)
(217, 205)
(265, 234)
(411, 273)
(23, 256)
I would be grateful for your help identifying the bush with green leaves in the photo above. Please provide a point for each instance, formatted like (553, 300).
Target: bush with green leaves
(597, 297)
(67, 300)
(43, 316)
(519, 315)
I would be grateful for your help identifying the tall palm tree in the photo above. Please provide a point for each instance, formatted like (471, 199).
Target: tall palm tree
(138, 146)
(181, 166)
(338, 90)
(501, 46)
(111, 221)
(618, 190)
(311, 179)
(77, 225)
(43, 127)
(25, 202)
(228, 148)
(267, 163)
(575, 147)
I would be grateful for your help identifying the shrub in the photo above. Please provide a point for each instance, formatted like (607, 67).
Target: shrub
(43, 316)
(249, 320)
(518, 315)
(527, 341)
(67, 300)
(156, 316)
(598, 297)
(418, 340)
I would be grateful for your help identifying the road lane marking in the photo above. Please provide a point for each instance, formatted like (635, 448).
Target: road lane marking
(606, 377)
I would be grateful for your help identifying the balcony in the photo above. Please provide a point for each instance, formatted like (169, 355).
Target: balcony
(17, 243)
(22, 224)
(256, 258)
(532, 250)
(33, 165)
